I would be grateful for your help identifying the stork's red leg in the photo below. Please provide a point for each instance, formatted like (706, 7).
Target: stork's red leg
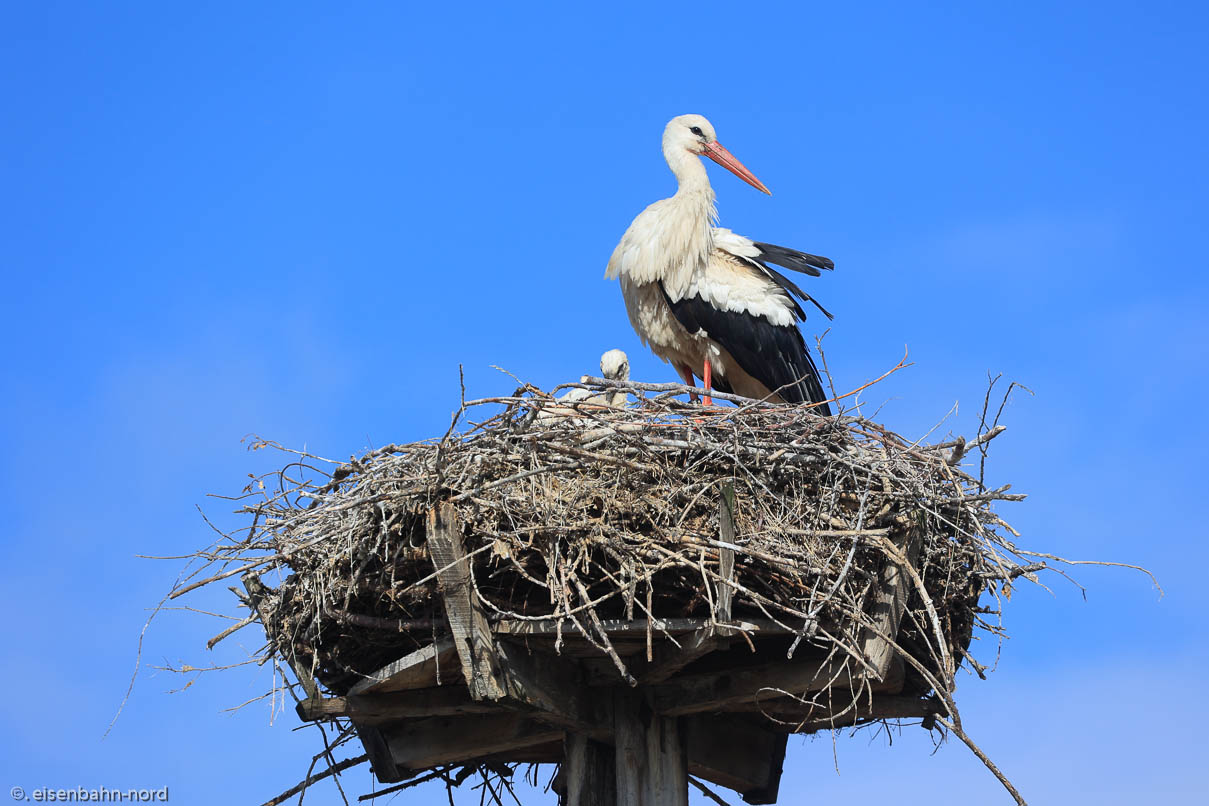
(707, 380)
(689, 379)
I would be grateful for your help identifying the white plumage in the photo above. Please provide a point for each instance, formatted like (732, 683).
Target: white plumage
(728, 281)
(614, 365)
(705, 298)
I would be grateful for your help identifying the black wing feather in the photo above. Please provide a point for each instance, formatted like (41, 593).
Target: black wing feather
(798, 261)
(774, 355)
(792, 288)
(793, 259)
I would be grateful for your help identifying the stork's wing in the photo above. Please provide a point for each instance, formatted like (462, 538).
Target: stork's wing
(759, 255)
(793, 259)
(752, 317)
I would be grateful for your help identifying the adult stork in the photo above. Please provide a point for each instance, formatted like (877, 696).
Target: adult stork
(709, 300)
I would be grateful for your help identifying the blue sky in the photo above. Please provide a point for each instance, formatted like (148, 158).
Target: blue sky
(298, 221)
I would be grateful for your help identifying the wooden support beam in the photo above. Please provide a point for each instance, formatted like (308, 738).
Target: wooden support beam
(381, 760)
(550, 685)
(548, 753)
(736, 753)
(378, 708)
(496, 671)
(726, 556)
(808, 720)
(423, 743)
(889, 605)
(631, 628)
(670, 659)
(768, 793)
(753, 687)
(471, 630)
(428, 666)
(589, 772)
(652, 766)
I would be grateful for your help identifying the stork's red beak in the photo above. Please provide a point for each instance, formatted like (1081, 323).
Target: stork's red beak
(727, 160)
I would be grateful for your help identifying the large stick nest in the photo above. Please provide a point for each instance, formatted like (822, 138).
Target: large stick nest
(587, 511)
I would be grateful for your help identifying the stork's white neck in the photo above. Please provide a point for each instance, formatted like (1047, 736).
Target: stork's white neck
(670, 241)
(689, 170)
(685, 232)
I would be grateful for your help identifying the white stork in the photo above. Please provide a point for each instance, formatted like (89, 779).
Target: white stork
(705, 298)
(614, 365)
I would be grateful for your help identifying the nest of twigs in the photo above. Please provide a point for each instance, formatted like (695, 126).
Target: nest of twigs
(587, 511)
(608, 508)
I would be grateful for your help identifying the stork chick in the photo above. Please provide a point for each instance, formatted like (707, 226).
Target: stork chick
(614, 365)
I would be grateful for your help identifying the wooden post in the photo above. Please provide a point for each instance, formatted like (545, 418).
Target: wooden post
(496, 671)
(590, 772)
(889, 605)
(726, 556)
(652, 766)
(471, 631)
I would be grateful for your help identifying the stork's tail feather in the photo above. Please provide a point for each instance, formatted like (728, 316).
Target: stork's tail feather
(793, 259)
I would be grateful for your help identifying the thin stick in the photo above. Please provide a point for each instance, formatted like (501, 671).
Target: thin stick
(976, 750)
(335, 769)
(390, 790)
(210, 644)
(709, 793)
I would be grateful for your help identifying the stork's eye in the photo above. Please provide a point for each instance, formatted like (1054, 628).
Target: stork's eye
(696, 130)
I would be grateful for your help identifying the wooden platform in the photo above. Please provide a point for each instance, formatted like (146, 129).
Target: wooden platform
(714, 697)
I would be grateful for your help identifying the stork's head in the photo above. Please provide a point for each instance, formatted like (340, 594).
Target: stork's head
(615, 365)
(695, 134)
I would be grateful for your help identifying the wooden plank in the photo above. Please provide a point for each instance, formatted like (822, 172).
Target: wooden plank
(578, 647)
(547, 683)
(753, 687)
(423, 743)
(745, 687)
(733, 752)
(377, 708)
(652, 766)
(776, 766)
(589, 772)
(601, 672)
(429, 666)
(766, 701)
(633, 627)
(496, 671)
(381, 760)
(548, 753)
(670, 659)
(726, 556)
(471, 630)
(889, 605)
(803, 720)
